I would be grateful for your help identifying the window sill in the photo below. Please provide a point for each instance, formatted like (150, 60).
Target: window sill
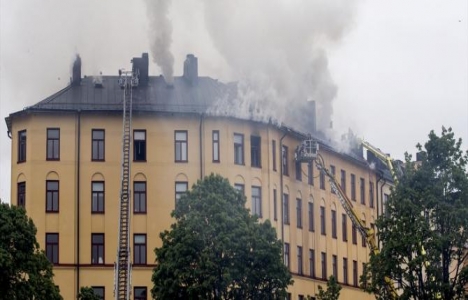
(139, 212)
(97, 212)
(98, 160)
(52, 159)
(52, 211)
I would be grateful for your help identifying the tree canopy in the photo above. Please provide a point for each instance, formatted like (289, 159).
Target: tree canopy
(87, 293)
(25, 272)
(423, 232)
(217, 250)
(331, 293)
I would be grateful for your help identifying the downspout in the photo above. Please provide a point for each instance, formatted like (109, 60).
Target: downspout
(9, 134)
(78, 162)
(281, 188)
(381, 192)
(200, 136)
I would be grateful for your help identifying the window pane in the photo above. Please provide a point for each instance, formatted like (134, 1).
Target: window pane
(53, 133)
(181, 136)
(140, 239)
(139, 135)
(98, 134)
(98, 186)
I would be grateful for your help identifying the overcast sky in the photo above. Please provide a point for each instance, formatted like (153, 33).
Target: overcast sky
(391, 70)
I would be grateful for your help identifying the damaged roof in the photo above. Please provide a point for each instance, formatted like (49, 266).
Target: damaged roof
(157, 96)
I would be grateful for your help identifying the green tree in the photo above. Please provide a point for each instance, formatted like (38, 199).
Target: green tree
(25, 272)
(424, 230)
(331, 293)
(217, 250)
(87, 293)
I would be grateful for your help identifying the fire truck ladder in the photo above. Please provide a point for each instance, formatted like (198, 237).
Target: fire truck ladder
(122, 267)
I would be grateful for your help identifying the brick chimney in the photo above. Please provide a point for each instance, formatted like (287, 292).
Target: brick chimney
(191, 69)
(76, 71)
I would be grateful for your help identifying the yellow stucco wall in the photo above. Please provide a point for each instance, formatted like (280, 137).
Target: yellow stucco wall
(161, 172)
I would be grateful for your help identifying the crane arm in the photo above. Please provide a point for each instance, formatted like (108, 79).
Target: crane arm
(386, 159)
(367, 233)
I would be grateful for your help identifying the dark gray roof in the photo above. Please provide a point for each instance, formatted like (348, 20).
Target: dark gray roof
(157, 96)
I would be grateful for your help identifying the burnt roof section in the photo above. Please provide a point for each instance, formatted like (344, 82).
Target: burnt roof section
(157, 96)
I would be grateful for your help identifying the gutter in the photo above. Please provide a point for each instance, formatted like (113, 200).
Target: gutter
(78, 185)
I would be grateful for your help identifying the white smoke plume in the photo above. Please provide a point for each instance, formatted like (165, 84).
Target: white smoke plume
(160, 35)
(278, 53)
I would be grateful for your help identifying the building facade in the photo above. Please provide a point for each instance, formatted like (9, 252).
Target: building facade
(66, 172)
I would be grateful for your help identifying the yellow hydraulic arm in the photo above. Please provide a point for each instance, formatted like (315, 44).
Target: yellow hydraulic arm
(383, 157)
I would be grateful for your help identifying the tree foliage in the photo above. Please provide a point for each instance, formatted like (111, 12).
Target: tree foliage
(331, 293)
(25, 272)
(424, 232)
(217, 250)
(87, 293)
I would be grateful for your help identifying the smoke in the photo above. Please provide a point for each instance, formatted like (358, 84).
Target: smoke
(160, 36)
(277, 50)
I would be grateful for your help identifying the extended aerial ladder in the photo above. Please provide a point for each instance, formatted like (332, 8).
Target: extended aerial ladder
(385, 158)
(308, 152)
(122, 266)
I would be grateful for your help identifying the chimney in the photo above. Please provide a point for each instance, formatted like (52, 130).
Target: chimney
(191, 69)
(140, 67)
(76, 71)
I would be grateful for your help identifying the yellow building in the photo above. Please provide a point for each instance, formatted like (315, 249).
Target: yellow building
(66, 171)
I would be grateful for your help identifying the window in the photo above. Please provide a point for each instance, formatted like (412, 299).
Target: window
(371, 194)
(299, 260)
(257, 201)
(363, 191)
(372, 226)
(300, 297)
(335, 266)
(99, 291)
(98, 149)
(52, 196)
(311, 217)
(310, 173)
(238, 149)
(180, 140)
(284, 160)
(97, 248)
(322, 180)
(344, 227)
(355, 273)
(240, 188)
(97, 197)
(285, 209)
(140, 293)
(21, 146)
(275, 206)
(273, 150)
(324, 265)
(385, 202)
(312, 262)
(364, 271)
(343, 181)
(139, 249)
(255, 151)
(21, 194)
(333, 216)
(288, 296)
(354, 235)
(298, 171)
(181, 188)
(53, 144)
(333, 171)
(139, 197)
(215, 138)
(353, 187)
(286, 255)
(345, 270)
(139, 145)
(299, 212)
(323, 229)
(52, 247)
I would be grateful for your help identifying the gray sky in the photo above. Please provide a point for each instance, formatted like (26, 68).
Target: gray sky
(397, 68)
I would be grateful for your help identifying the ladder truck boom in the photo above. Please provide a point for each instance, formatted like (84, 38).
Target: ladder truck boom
(385, 158)
(308, 152)
(122, 267)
